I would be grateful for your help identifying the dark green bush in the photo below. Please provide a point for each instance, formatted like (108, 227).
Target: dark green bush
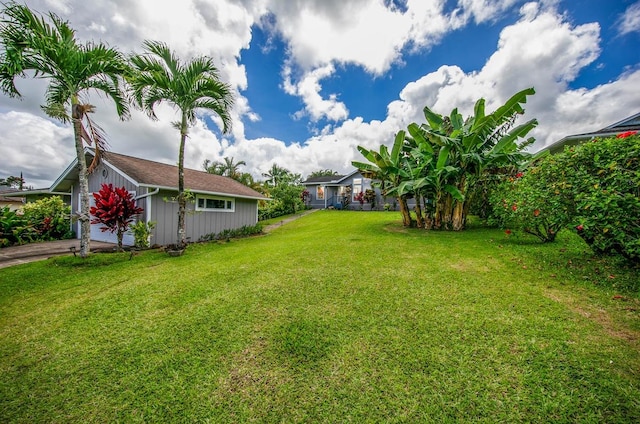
(605, 185)
(244, 231)
(593, 188)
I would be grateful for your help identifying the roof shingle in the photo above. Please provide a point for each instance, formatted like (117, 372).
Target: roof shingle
(150, 173)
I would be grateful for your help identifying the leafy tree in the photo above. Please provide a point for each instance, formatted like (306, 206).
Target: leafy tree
(11, 181)
(159, 76)
(48, 48)
(14, 228)
(114, 209)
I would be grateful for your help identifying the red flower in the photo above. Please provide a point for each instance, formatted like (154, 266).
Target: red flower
(519, 175)
(626, 134)
(580, 227)
(507, 232)
(536, 212)
(514, 208)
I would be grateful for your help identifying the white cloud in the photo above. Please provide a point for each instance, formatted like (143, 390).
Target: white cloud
(630, 20)
(542, 50)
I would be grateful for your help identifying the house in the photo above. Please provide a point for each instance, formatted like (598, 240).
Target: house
(218, 203)
(8, 197)
(631, 123)
(340, 191)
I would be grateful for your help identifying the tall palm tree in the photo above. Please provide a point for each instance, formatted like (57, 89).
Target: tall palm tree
(159, 76)
(49, 49)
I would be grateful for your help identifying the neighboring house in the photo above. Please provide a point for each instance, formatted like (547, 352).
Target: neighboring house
(631, 123)
(339, 191)
(218, 203)
(9, 197)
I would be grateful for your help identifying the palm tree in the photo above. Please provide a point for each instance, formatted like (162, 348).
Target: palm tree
(49, 49)
(159, 76)
(230, 169)
(276, 175)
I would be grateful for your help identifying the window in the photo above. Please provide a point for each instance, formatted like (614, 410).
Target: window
(218, 204)
(320, 193)
(357, 187)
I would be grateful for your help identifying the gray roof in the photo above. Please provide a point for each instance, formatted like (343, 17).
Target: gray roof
(631, 123)
(148, 173)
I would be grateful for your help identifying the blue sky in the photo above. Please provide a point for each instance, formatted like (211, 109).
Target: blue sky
(314, 79)
(368, 95)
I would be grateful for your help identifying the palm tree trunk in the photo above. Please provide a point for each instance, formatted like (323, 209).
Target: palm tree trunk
(83, 213)
(182, 201)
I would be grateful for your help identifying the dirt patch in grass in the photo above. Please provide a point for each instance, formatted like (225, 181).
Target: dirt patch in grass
(597, 315)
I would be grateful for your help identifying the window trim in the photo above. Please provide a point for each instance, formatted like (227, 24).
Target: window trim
(225, 199)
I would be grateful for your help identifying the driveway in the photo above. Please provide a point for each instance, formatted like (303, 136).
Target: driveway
(31, 252)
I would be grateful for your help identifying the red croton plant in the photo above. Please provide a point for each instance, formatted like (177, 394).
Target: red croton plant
(114, 209)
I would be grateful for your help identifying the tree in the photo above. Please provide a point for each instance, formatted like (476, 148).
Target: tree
(390, 170)
(228, 168)
(49, 49)
(11, 181)
(276, 175)
(114, 209)
(159, 76)
(322, 173)
(463, 150)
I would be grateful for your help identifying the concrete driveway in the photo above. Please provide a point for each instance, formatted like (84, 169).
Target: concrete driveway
(31, 252)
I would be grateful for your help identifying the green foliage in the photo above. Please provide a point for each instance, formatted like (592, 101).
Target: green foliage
(141, 231)
(50, 217)
(604, 184)
(322, 173)
(439, 162)
(535, 201)
(283, 186)
(244, 231)
(594, 187)
(14, 228)
(114, 209)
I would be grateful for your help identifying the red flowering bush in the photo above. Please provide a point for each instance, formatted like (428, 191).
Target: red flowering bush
(534, 202)
(605, 186)
(115, 209)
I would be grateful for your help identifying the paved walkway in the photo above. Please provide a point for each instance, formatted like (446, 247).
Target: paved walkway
(31, 252)
(272, 227)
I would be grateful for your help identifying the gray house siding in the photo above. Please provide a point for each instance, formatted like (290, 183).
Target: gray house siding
(335, 191)
(164, 211)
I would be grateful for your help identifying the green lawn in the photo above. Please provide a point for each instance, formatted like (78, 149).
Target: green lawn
(334, 317)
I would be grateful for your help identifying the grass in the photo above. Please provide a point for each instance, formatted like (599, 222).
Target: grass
(337, 316)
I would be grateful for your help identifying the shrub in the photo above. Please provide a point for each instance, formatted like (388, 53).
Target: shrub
(535, 202)
(50, 218)
(14, 228)
(114, 209)
(244, 231)
(605, 184)
(141, 231)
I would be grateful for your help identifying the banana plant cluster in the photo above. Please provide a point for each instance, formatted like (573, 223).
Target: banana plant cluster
(114, 209)
(437, 163)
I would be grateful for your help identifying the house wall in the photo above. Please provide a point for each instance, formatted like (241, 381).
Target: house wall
(164, 211)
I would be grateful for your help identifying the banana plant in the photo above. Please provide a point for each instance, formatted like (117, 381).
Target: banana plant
(390, 169)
